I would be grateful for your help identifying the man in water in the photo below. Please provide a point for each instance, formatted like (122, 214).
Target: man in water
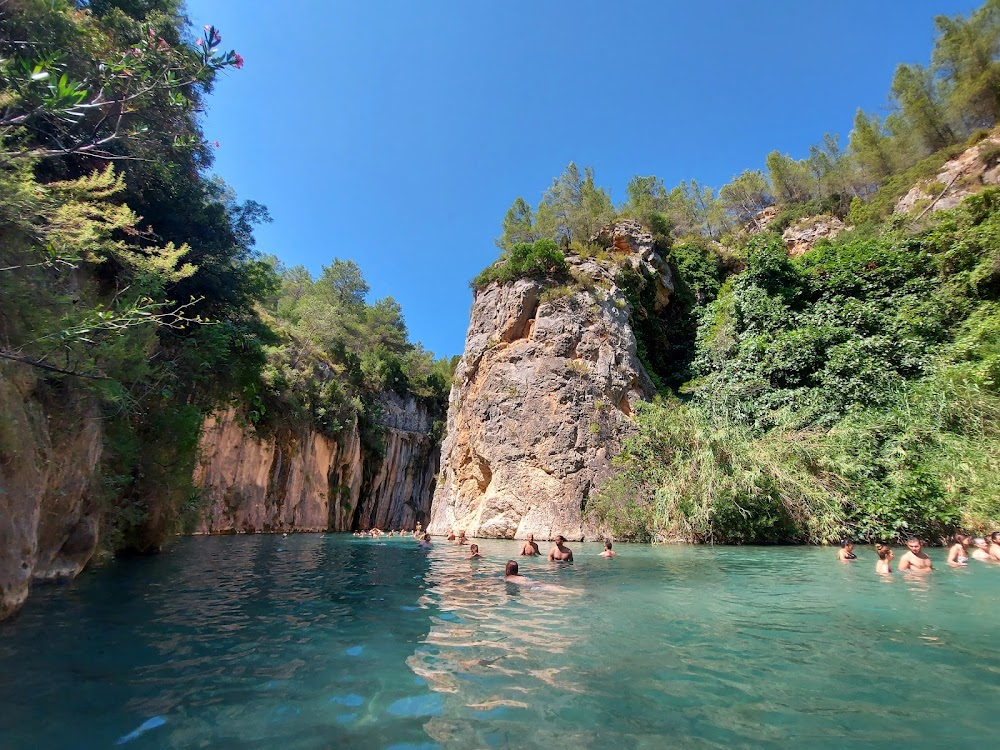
(461, 537)
(915, 558)
(474, 551)
(560, 553)
(608, 552)
(425, 543)
(529, 548)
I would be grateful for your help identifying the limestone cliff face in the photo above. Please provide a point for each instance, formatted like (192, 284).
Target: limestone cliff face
(50, 447)
(300, 480)
(543, 396)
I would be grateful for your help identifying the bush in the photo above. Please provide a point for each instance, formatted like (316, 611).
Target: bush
(540, 259)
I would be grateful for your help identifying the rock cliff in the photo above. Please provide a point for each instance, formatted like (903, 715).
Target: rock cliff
(301, 480)
(50, 447)
(968, 173)
(543, 395)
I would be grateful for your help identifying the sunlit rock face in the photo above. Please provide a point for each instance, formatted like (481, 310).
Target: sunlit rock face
(50, 448)
(301, 480)
(543, 396)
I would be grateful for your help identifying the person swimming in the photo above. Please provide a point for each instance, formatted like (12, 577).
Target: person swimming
(981, 551)
(995, 545)
(425, 543)
(529, 548)
(474, 551)
(512, 576)
(462, 538)
(916, 559)
(885, 555)
(451, 536)
(958, 555)
(846, 553)
(608, 552)
(560, 553)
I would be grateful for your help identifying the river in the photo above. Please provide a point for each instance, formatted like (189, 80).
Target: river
(327, 641)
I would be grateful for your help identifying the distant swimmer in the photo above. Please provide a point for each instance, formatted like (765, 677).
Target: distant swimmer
(885, 555)
(461, 537)
(981, 551)
(560, 553)
(608, 552)
(512, 576)
(529, 548)
(846, 553)
(474, 551)
(425, 543)
(958, 555)
(451, 536)
(915, 558)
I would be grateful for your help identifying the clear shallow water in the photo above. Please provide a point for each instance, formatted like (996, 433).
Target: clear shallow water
(331, 642)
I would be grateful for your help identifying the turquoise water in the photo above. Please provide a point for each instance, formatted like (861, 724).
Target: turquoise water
(328, 641)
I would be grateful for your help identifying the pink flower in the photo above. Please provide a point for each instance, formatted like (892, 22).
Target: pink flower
(198, 42)
(216, 144)
(152, 33)
(216, 37)
(163, 44)
(207, 27)
(238, 60)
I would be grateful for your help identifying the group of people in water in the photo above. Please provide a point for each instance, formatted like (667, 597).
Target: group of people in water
(559, 553)
(916, 559)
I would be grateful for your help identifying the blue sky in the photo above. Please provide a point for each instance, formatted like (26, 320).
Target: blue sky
(397, 133)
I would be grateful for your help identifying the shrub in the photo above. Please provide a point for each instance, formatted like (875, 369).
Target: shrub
(540, 259)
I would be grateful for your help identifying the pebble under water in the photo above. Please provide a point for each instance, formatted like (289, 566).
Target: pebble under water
(327, 641)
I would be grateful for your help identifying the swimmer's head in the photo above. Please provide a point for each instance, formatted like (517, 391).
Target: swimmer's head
(914, 544)
(995, 537)
(511, 569)
(473, 548)
(847, 544)
(883, 550)
(531, 537)
(560, 539)
(980, 542)
(961, 539)
(427, 537)
(607, 544)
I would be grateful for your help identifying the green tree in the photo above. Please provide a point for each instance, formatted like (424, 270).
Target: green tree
(789, 178)
(871, 148)
(746, 195)
(966, 55)
(915, 92)
(518, 225)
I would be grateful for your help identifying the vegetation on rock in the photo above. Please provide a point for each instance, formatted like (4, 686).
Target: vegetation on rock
(848, 391)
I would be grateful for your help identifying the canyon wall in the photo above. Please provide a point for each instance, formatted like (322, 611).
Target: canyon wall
(301, 480)
(50, 447)
(543, 395)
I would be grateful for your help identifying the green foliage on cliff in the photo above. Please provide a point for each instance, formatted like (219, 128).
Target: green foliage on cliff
(337, 352)
(539, 259)
(850, 391)
(128, 272)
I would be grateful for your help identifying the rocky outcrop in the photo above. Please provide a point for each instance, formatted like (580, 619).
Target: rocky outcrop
(543, 395)
(50, 447)
(968, 173)
(301, 480)
(801, 236)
